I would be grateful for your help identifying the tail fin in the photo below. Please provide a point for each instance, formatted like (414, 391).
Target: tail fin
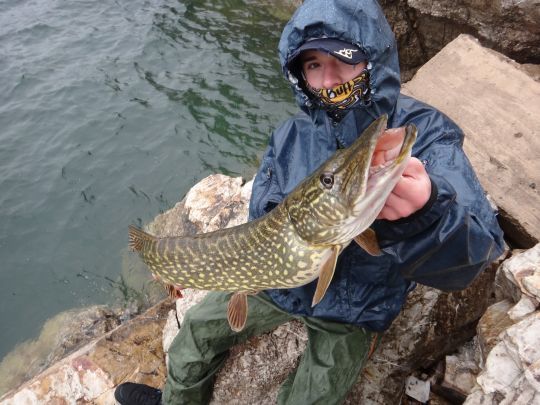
(138, 238)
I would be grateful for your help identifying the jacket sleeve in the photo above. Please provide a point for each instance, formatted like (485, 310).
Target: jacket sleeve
(266, 193)
(455, 236)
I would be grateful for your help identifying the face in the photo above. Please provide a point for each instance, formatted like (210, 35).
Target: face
(323, 71)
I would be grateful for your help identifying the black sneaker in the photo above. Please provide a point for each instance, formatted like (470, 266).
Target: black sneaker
(137, 394)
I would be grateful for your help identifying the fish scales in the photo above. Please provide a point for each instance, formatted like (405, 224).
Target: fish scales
(267, 255)
(295, 243)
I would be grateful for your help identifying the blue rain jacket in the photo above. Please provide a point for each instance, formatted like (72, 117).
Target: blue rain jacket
(444, 245)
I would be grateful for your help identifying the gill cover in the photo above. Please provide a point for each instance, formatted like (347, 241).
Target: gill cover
(323, 204)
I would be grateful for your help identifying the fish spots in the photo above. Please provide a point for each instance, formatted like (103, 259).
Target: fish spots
(268, 256)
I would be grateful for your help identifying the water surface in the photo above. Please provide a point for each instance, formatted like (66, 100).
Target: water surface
(109, 112)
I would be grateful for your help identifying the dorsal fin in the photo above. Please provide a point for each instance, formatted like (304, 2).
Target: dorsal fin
(138, 238)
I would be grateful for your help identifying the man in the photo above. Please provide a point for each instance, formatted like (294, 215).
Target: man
(436, 227)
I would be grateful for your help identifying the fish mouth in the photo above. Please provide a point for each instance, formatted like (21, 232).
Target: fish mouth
(366, 201)
(358, 161)
(365, 186)
(382, 178)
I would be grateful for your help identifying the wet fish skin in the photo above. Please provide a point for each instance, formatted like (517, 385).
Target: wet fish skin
(298, 241)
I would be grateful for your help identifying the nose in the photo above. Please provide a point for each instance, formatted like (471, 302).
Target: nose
(331, 77)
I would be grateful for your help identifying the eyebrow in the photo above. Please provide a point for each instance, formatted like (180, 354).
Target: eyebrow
(307, 59)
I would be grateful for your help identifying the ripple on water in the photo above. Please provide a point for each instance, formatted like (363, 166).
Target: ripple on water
(109, 112)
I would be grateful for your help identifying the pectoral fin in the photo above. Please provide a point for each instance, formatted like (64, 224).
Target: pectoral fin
(325, 277)
(368, 241)
(237, 311)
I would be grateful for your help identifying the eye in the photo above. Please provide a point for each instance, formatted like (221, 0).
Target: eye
(327, 180)
(311, 65)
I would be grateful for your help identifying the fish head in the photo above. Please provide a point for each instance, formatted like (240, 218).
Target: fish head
(346, 193)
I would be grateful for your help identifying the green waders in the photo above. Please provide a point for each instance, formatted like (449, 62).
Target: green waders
(329, 367)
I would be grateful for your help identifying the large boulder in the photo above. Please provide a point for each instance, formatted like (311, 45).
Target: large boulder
(424, 27)
(510, 332)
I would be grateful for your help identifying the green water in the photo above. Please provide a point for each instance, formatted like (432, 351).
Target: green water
(109, 112)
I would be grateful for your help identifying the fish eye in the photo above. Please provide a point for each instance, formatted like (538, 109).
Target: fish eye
(327, 180)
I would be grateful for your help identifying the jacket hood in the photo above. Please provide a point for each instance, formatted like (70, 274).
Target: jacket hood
(359, 22)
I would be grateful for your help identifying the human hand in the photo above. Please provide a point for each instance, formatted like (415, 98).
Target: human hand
(413, 189)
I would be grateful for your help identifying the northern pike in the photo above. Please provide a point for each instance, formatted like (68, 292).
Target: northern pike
(295, 243)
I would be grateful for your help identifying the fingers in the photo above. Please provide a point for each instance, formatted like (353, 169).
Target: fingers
(415, 168)
(395, 208)
(414, 181)
(410, 194)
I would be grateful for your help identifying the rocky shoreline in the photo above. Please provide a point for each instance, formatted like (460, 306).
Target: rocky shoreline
(436, 349)
(491, 360)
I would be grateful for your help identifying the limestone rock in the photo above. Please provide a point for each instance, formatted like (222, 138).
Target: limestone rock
(462, 368)
(502, 138)
(255, 370)
(216, 202)
(130, 352)
(523, 271)
(424, 27)
(60, 335)
(511, 373)
(494, 321)
(513, 25)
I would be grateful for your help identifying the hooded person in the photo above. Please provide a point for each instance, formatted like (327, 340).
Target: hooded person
(444, 243)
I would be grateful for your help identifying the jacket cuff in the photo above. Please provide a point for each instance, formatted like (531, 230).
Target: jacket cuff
(442, 195)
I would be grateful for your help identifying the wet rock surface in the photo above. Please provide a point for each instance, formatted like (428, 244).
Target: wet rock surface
(511, 357)
(432, 326)
(61, 335)
(132, 351)
(424, 27)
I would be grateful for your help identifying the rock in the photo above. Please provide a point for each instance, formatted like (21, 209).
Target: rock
(216, 202)
(256, 369)
(500, 122)
(130, 352)
(60, 335)
(462, 368)
(512, 26)
(523, 272)
(417, 389)
(511, 373)
(491, 325)
(424, 27)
